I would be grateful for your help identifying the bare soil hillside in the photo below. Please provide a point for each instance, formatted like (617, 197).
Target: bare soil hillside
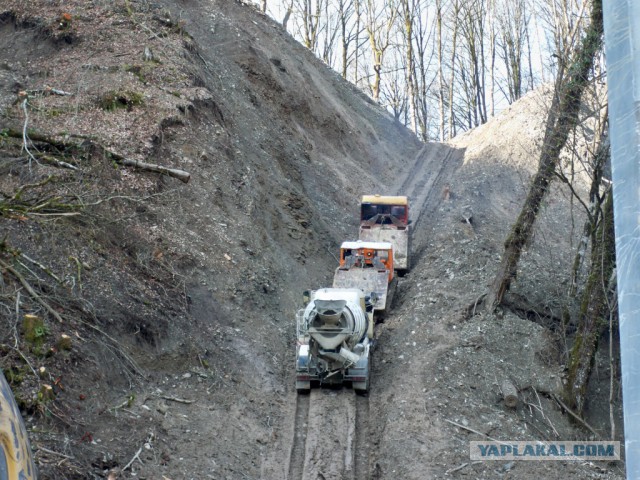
(179, 298)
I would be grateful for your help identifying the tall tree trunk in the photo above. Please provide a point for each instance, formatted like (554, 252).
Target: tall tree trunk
(492, 72)
(526, 31)
(597, 166)
(440, 73)
(558, 129)
(594, 311)
(287, 15)
(357, 47)
(343, 14)
(452, 124)
(408, 17)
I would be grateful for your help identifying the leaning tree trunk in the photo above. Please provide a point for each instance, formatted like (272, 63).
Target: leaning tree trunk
(559, 126)
(594, 310)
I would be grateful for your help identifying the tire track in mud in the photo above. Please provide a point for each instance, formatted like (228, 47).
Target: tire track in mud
(362, 445)
(425, 184)
(331, 436)
(300, 432)
(419, 183)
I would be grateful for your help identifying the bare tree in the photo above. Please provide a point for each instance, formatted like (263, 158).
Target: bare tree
(491, 7)
(454, 38)
(408, 13)
(380, 18)
(309, 12)
(439, 47)
(287, 14)
(425, 77)
(513, 20)
(471, 19)
(346, 10)
(394, 95)
(564, 21)
(330, 27)
(595, 310)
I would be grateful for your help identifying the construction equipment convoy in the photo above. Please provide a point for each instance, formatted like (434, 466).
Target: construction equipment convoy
(335, 327)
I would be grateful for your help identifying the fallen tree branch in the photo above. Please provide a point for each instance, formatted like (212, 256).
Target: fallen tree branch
(127, 162)
(44, 268)
(541, 410)
(25, 138)
(473, 431)
(46, 450)
(172, 172)
(174, 399)
(50, 91)
(470, 310)
(120, 349)
(136, 456)
(574, 415)
(453, 470)
(49, 160)
(37, 137)
(31, 291)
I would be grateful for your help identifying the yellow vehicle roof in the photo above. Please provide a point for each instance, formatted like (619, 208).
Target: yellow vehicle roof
(385, 199)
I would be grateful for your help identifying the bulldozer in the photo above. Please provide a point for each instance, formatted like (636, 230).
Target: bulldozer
(386, 219)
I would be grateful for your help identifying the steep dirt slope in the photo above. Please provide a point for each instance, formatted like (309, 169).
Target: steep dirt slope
(180, 298)
(440, 362)
(163, 279)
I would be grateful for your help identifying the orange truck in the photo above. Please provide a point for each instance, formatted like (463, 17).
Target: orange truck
(368, 266)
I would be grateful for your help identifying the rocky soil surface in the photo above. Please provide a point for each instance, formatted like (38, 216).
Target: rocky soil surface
(180, 298)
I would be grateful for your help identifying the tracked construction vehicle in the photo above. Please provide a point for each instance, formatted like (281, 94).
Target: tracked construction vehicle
(368, 266)
(334, 331)
(16, 461)
(386, 219)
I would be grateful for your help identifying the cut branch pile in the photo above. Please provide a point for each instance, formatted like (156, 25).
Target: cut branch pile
(62, 153)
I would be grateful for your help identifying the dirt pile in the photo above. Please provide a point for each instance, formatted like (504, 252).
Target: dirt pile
(180, 298)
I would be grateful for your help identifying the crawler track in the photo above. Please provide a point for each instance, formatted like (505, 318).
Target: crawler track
(331, 436)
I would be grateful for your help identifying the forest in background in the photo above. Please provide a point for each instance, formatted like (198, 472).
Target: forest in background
(441, 67)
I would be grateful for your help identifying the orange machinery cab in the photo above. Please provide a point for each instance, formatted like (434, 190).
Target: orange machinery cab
(361, 254)
(386, 219)
(368, 266)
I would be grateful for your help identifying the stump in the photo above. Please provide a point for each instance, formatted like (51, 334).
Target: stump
(509, 394)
